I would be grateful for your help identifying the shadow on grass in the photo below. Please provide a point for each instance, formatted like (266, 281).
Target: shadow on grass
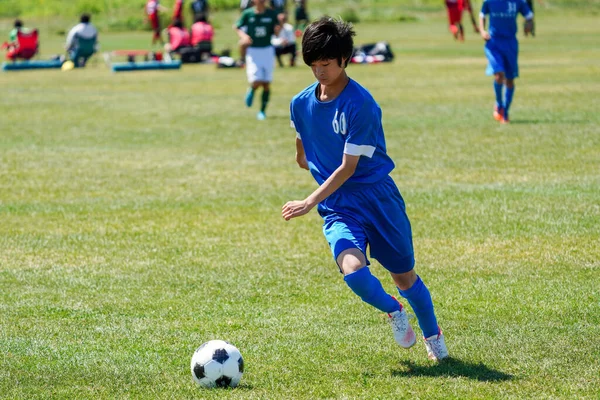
(452, 367)
(547, 121)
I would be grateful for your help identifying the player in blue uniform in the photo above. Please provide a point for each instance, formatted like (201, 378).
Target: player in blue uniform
(502, 47)
(340, 140)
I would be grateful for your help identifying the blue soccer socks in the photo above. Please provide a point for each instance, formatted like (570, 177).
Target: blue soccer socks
(498, 90)
(508, 100)
(369, 289)
(419, 298)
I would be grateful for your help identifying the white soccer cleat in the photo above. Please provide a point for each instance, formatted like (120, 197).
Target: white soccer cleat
(403, 332)
(436, 347)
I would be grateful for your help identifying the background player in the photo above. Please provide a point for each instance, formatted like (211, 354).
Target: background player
(255, 28)
(502, 48)
(340, 140)
(153, 7)
(455, 9)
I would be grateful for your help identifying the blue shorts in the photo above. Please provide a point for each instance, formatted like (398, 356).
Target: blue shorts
(502, 55)
(373, 215)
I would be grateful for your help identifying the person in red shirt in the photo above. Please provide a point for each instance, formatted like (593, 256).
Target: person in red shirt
(202, 31)
(455, 9)
(202, 34)
(178, 37)
(152, 9)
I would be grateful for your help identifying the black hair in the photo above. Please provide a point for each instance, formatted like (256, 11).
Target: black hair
(178, 23)
(85, 18)
(18, 23)
(327, 39)
(200, 18)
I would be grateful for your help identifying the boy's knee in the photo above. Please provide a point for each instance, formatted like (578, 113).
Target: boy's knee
(405, 280)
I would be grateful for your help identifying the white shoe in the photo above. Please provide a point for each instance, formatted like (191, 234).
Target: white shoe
(436, 347)
(403, 332)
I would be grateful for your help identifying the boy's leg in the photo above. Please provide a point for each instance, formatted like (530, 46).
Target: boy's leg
(293, 52)
(498, 88)
(266, 73)
(266, 94)
(358, 277)
(348, 244)
(419, 298)
(496, 67)
(250, 94)
(264, 101)
(252, 74)
(512, 72)
(510, 90)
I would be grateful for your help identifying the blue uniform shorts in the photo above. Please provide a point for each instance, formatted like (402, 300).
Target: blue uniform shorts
(372, 215)
(502, 55)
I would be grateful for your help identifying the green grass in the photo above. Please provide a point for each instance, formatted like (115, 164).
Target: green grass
(140, 217)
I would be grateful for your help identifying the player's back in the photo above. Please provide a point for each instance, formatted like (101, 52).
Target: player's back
(503, 16)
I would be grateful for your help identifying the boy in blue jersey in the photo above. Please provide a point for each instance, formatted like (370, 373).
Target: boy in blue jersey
(340, 140)
(502, 48)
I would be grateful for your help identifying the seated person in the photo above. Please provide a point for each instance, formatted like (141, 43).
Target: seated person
(23, 43)
(179, 38)
(285, 42)
(202, 34)
(82, 41)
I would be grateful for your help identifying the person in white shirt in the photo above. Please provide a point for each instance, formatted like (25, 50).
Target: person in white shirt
(285, 42)
(82, 41)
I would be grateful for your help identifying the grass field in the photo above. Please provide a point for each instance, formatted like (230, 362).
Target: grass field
(140, 217)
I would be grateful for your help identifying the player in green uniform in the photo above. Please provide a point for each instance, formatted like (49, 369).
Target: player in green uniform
(255, 28)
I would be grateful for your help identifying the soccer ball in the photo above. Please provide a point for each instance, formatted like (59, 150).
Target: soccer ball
(217, 364)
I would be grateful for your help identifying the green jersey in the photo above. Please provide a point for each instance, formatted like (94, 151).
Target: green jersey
(260, 27)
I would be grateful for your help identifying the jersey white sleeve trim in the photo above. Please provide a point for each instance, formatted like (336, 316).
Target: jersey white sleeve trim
(294, 127)
(359, 150)
(481, 15)
(530, 15)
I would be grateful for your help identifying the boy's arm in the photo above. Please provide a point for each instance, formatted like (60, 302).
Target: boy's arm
(245, 39)
(300, 155)
(297, 208)
(70, 37)
(484, 34)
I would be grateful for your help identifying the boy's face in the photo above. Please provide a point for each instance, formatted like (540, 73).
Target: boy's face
(327, 72)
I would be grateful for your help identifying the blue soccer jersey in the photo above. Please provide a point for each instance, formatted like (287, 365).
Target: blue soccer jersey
(503, 16)
(350, 124)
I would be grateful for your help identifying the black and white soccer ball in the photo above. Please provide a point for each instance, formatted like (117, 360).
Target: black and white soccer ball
(217, 364)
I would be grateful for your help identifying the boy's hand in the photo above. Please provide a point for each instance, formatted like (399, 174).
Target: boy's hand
(528, 26)
(485, 35)
(295, 208)
(246, 41)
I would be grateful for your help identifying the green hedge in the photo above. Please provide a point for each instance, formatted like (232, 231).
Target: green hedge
(49, 8)
(129, 14)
